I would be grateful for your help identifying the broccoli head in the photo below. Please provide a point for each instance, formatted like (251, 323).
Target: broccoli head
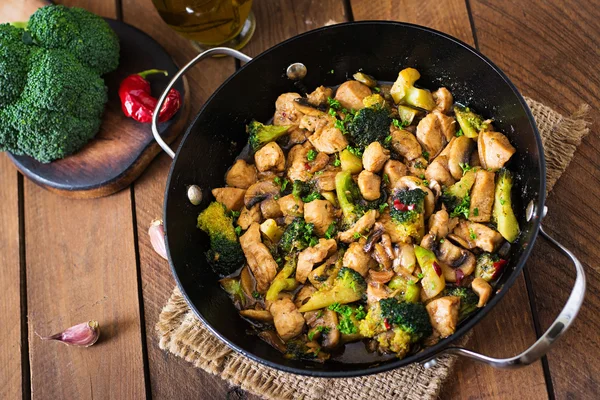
(468, 300)
(85, 35)
(470, 123)
(407, 213)
(370, 124)
(489, 266)
(348, 286)
(298, 235)
(260, 134)
(225, 254)
(13, 64)
(349, 198)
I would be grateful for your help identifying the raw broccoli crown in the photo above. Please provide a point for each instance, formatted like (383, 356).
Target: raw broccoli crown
(13, 63)
(298, 235)
(370, 124)
(260, 134)
(468, 300)
(412, 318)
(407, 205)
(225, 254)
(349, 278)
(57, 81)
(85, 35)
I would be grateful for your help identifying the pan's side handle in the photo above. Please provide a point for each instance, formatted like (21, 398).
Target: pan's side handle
(208, 53)
(545, 342)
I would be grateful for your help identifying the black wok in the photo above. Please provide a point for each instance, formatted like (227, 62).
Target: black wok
(331, 55)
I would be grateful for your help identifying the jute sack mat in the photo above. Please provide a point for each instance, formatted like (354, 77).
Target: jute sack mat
(182, 334)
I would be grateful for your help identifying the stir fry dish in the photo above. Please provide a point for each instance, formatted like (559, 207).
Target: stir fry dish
(369, 212)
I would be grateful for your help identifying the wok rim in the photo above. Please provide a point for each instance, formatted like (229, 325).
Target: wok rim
(429, 352)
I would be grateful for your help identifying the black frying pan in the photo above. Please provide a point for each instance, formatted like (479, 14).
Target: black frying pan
(381, 49)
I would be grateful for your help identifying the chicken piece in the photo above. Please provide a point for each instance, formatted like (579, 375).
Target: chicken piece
(320, 213)
(405, 143)
(374, 157)
(328, 139)
(443, 314)
(270, 209)
(394, 170)
(474, 235)
(325, 182)
(270, 156)
(482, 196)
(232, 198)
(369, 184)
(241, 175)
(434, 132)
(248, 216)
(440, 224)
(303, 295)
(350, 94)
(494, 150)
(298, 168)
(320, 95)
(483, 290)
(355, 257)
(375, 292)
(285, 112)
(417, 167)
(313, 122)
(459, 154)
(291, 206)
(443, 100)
(363, 224)
(297, 136)
(321, 160)
(258, 257)
(438, 171)
(312, 255)
(288, 321)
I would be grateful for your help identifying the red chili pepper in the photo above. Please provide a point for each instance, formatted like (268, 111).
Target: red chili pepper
(459, 276)
(398, 205)
(437, 268)
(387, 324)
(137, 101)
(498, 267)
(307, 166)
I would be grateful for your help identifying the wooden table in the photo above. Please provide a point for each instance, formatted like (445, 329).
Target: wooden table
(66, 261)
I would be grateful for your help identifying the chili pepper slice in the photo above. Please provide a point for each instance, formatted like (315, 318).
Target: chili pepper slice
(498, 267)
(137, 101)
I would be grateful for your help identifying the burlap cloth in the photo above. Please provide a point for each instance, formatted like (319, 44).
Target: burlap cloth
(182, 334)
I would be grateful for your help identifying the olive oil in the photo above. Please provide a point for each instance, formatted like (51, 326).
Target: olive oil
(208, 22)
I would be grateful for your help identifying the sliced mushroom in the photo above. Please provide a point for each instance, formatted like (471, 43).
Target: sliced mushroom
(247, 282)
(381, 276)
(450, 256)
(483, 290)
(460, 154)
(381, 256)
(405, 143)
(271, 338)
(260, 191)
(304, 294)
(374, 236)
(258, 315)
(304, 106)
(326, 326)
(270, 208)
(405, 259)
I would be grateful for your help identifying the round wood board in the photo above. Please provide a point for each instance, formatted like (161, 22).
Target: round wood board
(123, 148)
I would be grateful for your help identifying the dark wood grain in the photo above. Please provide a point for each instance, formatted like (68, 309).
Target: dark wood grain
(509, 328)
(10, 307)
(123, 148)
(80, 266)
(560, 70)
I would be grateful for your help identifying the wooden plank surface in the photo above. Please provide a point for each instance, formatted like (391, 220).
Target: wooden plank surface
(10, 305)
(509, 328)
(560, 70)
(81, 266)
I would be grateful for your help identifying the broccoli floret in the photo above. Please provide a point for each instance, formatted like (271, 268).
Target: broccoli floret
(306, 191)
(470, 123)
(349, 198)
(225, 254)
(85, 35)
(348, 286)
(468, 300)
(406, 212)
(13, 64)
(57, 81)
(8, 134)
(348, 317)
(298, 235)
(370, 124)
(298, 349)
(261, 134)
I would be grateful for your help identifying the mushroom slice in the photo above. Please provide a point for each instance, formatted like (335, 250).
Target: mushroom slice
(459, 155)
(381, 276)
(304, 106)
(258, 315)
(260, 191)
(483, 290)
(325, 326)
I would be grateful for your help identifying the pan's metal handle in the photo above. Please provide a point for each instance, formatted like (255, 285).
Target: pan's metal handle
(208, 53)
(545, 342)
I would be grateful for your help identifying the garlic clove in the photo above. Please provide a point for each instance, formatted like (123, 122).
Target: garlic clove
(83, 335)
(194, 194)
(157, 237)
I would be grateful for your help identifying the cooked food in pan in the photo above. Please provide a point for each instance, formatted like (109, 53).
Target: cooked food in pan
(367, 212)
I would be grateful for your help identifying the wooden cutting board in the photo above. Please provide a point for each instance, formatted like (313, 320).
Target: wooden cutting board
(123, 148)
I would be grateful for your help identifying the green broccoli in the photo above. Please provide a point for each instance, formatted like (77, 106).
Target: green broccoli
(85, 35)
(225, 254)
(261, 134)
(468, 300)
(456, 197)
(406, 212)
(349, 198)
(348, 286)
(306, 191)
(470, 123)
(370, 124)
(13, 64)
(489, 266)
(298, 235)
(297, 349)
(348, 317)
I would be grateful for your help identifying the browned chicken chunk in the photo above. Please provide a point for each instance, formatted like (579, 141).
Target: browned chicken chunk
(328, 139)
(405, 143)
(394, 170)
(443, 314)
(326, 181)
(374, 157)
(443, 100)
(291, 206)
(482, 196)
(494, 150)
(438, 171)
(241, 175)
(369, 184)
(434, 132)
(297, 162)
(356, 258)
(320, 213)
(259, 258)
(363, 224)
(288, 321)
(350, 94)
(320, 95)
(285, 111)
(312, 255)
(248, 216)
(474, 235)
(232, 198)
(270, 157)
(270, 208)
